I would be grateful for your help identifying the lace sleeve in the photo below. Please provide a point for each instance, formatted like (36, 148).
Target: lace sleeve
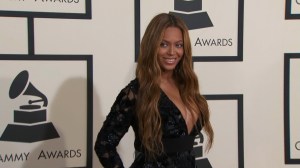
(114, 127)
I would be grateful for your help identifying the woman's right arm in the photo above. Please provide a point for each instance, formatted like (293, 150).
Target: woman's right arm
(114, 128)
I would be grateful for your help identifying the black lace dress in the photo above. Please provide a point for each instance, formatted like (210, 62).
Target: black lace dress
(121, 117)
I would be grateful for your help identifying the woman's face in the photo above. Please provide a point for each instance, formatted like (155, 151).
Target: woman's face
(171, 49)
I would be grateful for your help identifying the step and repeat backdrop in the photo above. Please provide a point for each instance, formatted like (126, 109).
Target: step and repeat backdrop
(46, 99)
(63, 62)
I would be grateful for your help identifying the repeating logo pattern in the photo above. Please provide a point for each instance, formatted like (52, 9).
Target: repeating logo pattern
(191, 12)
(75, 9)
(209, 44)
(30, 117)
(205, 21)
(35, 127)
(30, 125)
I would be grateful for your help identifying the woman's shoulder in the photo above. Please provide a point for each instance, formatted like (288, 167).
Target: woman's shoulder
(131, 88)
(133, 85)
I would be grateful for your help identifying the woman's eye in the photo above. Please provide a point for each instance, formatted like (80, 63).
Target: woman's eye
(179, 45)
(163, 44)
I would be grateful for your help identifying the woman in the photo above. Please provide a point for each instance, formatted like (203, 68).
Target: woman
(163, 104)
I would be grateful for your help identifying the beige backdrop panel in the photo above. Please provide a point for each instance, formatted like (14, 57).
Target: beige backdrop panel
(109, 37)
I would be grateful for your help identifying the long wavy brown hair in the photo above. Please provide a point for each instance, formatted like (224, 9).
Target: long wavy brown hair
(148, 73)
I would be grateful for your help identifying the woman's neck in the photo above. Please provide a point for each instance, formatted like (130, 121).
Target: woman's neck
(167, 76)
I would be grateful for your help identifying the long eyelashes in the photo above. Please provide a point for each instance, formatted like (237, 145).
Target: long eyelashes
(165, 44)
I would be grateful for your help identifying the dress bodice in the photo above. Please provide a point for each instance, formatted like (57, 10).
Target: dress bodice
(122, 116)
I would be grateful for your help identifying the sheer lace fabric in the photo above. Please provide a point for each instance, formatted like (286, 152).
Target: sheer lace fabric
(121, 117)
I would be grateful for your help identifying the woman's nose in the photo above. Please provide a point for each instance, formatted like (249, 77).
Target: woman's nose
(171, 50)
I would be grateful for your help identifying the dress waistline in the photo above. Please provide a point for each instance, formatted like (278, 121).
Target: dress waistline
(180, 144)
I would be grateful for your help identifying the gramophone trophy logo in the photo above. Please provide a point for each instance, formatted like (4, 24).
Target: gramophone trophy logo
(201, 162)
(206, 21)
(30, 120)
(191, 12)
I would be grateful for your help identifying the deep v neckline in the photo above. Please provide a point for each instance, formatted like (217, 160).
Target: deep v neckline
(182, 118)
